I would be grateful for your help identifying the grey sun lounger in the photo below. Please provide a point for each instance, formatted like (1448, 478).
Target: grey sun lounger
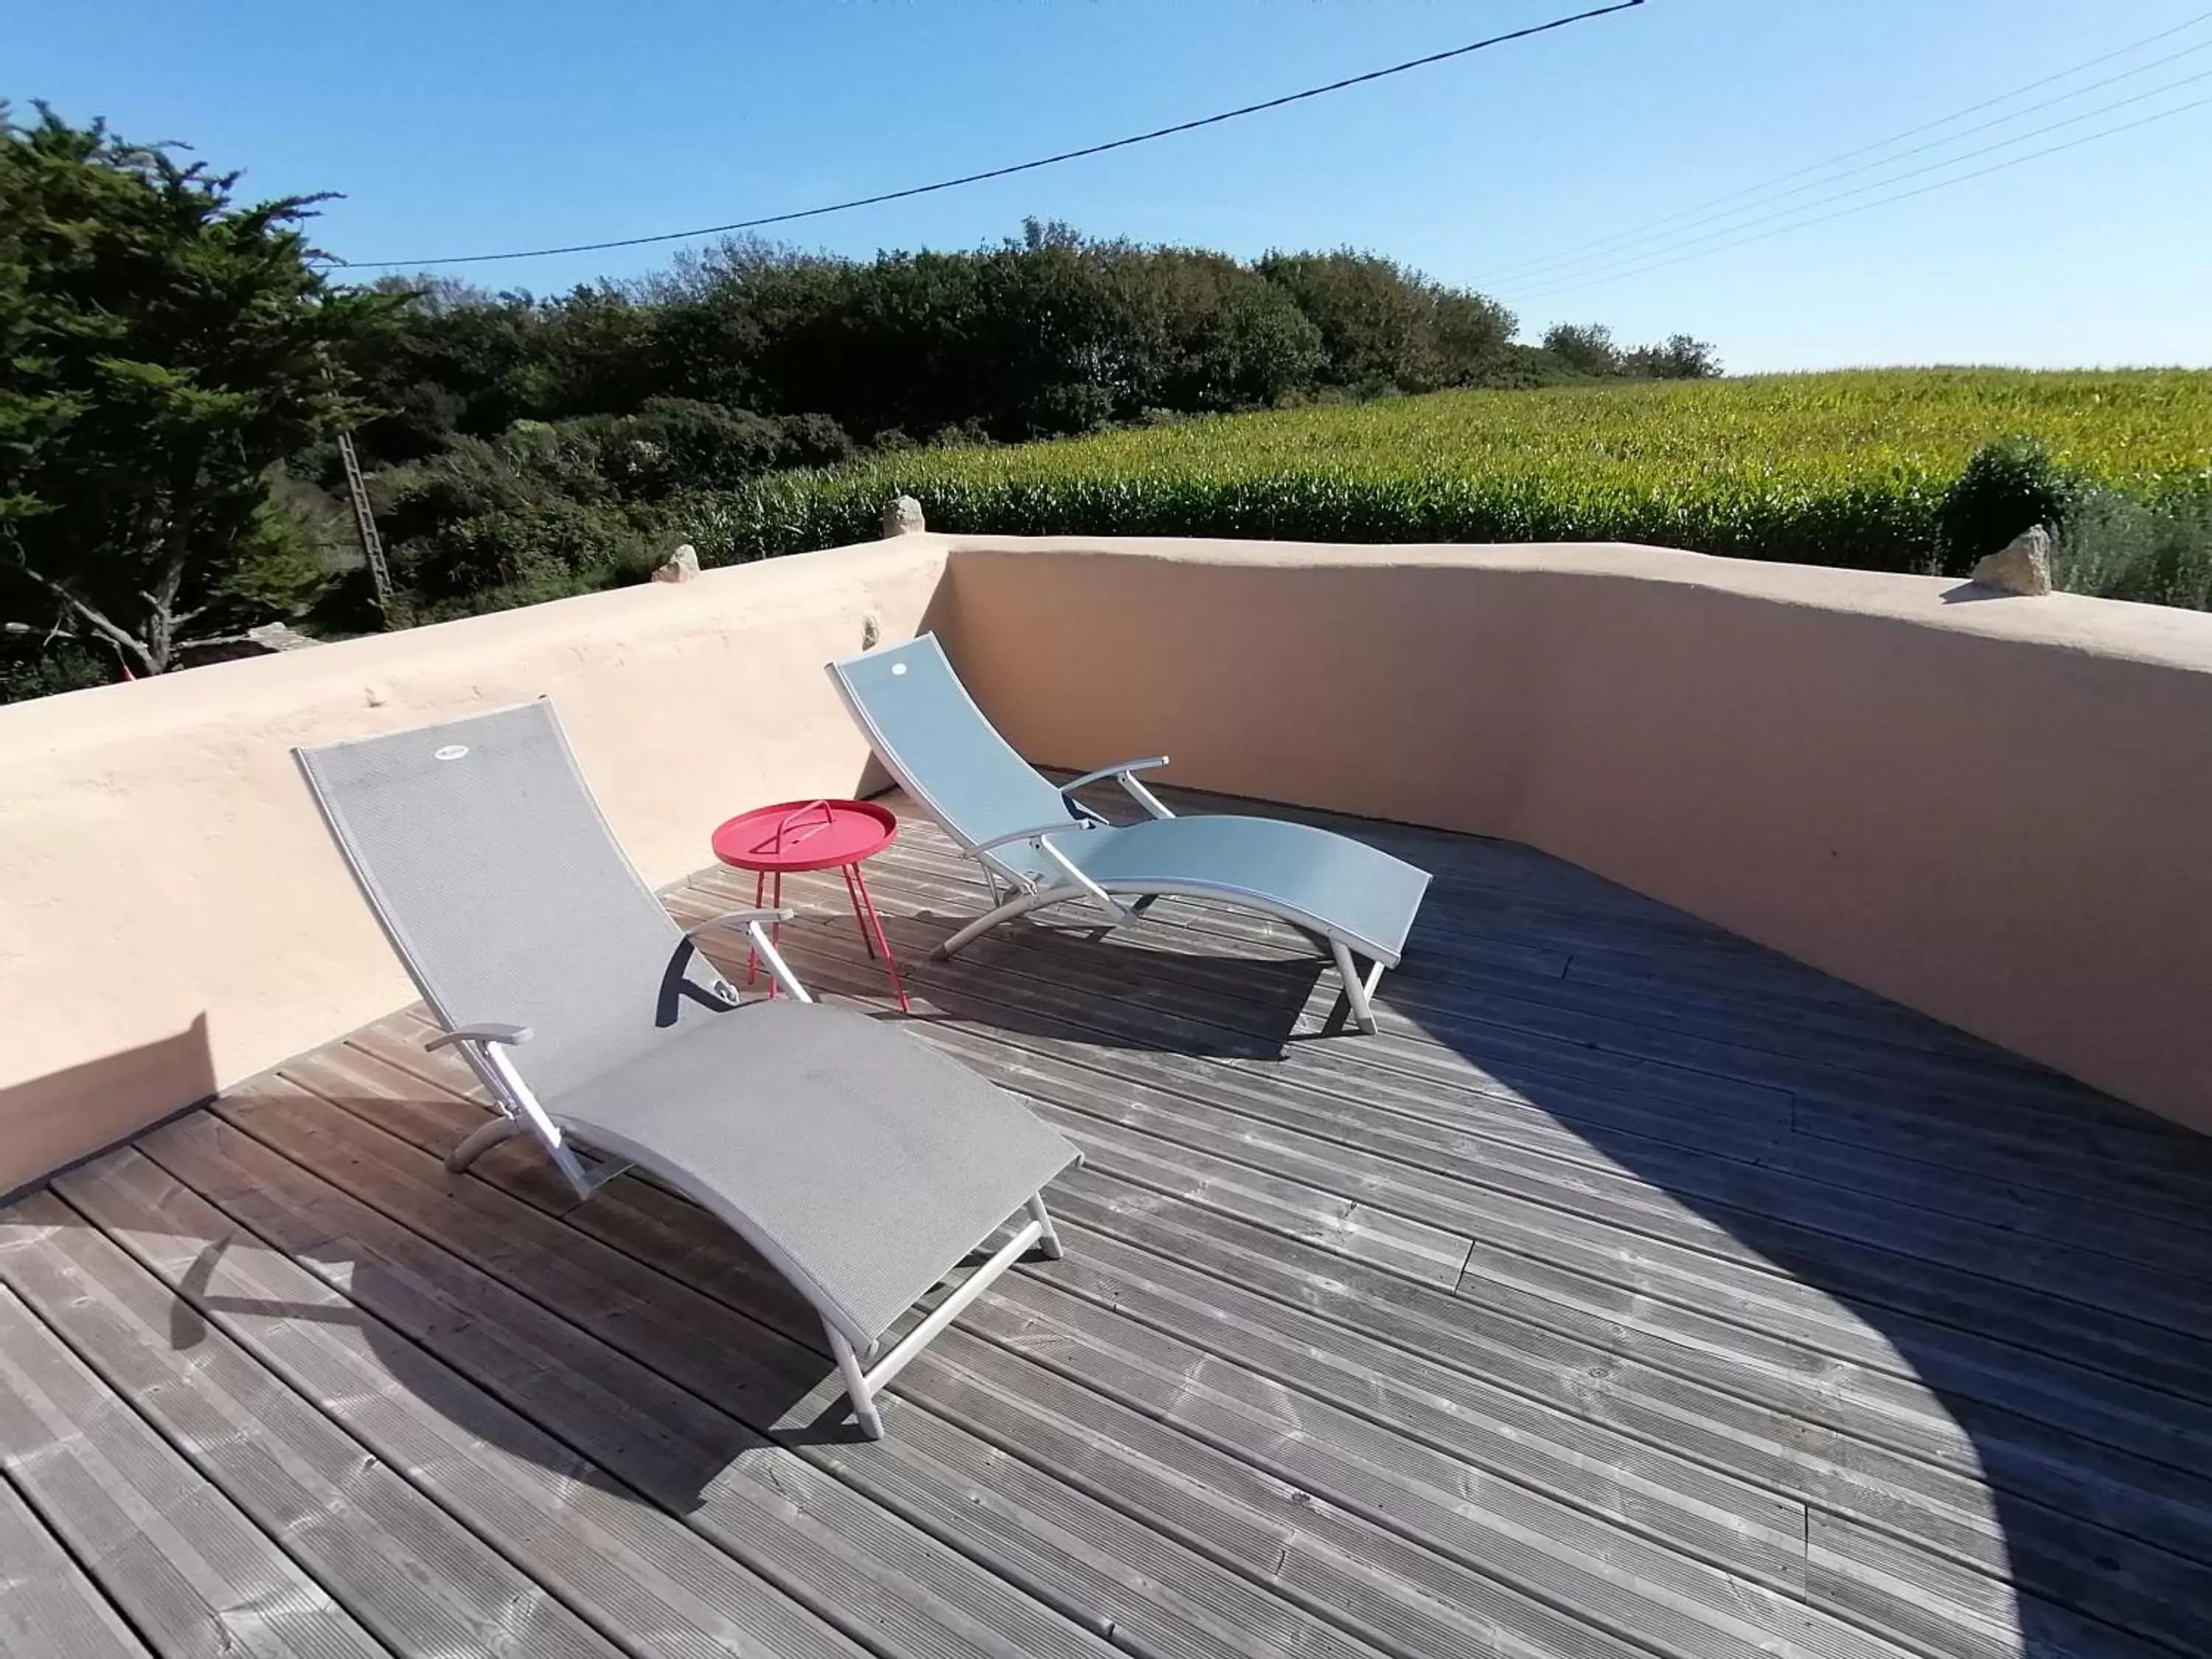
(1038, 845)
(862, 1165)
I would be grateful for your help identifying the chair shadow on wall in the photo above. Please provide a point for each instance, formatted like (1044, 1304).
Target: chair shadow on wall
(54, 1120)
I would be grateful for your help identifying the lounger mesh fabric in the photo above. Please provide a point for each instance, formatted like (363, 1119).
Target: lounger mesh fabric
(921, 713)
(504, 891)
(874, 1137)
(862, 1164)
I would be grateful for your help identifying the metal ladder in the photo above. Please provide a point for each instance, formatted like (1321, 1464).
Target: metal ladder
(372, 542)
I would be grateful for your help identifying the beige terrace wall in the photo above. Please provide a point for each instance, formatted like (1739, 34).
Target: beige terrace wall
(173, 915)
(1997, 810)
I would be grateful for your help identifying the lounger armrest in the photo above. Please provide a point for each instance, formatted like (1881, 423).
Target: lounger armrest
(1037, 834)
(515, 1100)
(508, 1034)
(1115, 772)
(1123, 774)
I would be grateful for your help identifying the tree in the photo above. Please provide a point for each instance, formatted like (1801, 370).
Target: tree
(1384, 326)
(1587, 347)
(165, 351)
(1680, 357)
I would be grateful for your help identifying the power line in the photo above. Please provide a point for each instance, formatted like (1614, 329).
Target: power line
(1004, 172)
(1637, 232)
(1604, 265)
(1565, 264)
(1626, 264)
(1884, 201)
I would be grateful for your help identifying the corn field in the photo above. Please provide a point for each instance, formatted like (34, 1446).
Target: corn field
(1841, 469)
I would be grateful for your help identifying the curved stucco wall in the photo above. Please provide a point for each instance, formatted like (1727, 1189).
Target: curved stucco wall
(173, 915)
(1994, 809)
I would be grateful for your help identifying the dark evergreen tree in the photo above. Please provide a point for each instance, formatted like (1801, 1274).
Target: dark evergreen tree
(165, 350)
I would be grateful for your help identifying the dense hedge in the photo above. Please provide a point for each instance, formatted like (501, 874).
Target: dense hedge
(1878, 470)
(1872, 527)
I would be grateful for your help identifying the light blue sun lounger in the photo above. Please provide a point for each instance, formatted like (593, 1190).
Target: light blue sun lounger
(1038, 845)
(862, 1165)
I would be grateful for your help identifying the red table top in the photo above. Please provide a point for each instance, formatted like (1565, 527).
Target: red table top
(806, 834)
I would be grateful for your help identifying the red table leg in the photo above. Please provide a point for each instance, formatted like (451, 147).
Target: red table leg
(871, 930)
(853, 894)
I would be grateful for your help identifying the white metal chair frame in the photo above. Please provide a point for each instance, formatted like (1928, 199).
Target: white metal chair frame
(867, 1369)
(1016, 892)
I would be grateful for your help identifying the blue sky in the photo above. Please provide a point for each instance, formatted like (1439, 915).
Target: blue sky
(473, 126)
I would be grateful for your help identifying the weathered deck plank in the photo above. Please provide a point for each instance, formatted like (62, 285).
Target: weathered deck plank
(190, 1571)
(393, 1560)
(639, 1575)
(2051, 1534)
(1765, 1303)
(889, 1586)
(702, 1344)
(1635, 1292)
(47, 1605)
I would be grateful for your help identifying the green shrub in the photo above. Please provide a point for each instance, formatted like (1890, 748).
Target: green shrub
(1378, 325)
(297, 546)
(471, 476)
(1586, 348)
(675, 443)
(549, 548)
(814, 441)
(2008, 486)
(28, 670)
(2114, 546)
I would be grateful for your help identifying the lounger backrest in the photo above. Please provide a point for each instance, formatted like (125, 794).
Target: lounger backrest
(927, 730)
(479, 847)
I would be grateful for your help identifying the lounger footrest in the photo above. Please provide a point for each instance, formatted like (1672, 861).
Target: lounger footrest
(862, 1164)
(1327, 883)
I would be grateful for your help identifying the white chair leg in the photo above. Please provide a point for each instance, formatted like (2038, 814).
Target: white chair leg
(856, 1383)
(482, 1140)
(1356, 986)
(1049, 1240)
(863, 1382)
(946, 948)
(1021, 904)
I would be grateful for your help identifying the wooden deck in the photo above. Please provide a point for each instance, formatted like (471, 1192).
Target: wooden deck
(1635, 1292)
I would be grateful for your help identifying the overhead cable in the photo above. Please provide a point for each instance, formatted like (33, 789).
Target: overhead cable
(763, 221)
(1765, 188)
(1884, 201)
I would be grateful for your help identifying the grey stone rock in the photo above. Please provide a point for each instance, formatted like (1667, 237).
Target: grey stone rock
(2021, 566)
(281, 636)
(682, 565)
(903, 518)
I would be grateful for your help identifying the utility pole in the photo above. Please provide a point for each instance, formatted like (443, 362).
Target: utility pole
(364, 520)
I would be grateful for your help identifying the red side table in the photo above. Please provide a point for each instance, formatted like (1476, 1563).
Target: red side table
(814, 835)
